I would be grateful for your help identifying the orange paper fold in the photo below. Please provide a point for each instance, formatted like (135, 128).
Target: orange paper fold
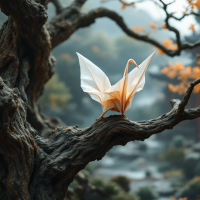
(119, 96)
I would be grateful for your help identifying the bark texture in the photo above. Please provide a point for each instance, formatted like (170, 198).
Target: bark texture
(33, 167)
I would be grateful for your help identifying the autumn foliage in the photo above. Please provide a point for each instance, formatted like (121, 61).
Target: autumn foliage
(184, 74)
(169, 45)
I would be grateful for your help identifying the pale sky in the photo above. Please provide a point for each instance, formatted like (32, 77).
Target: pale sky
(177, 7)
(153, 10)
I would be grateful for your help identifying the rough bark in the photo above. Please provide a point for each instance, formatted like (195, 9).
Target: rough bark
(32, 167)
(25, 54)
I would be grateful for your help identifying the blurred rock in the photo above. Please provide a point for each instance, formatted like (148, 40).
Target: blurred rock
(178, 141)
(146, 193)
(191, 161)
(128, 156)
(148, 174)
(143, 147)
(197, 147)
(138, 163)
(165, 166)
(123, 181)
(163, 188)
(191, 190)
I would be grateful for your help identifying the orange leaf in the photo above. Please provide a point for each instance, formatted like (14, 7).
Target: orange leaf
(178, 66)
(164, 70)
(198, 62)
(192, 27)
(123, 6)
(173, 197)
(196, 72)
(169, 45)
(196, 89)
(164, 26)
(172, 88)
(152, 25)
(197, 4)
(138, 29)
(174, 47)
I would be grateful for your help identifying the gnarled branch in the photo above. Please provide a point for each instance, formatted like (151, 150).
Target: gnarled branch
(70, 149)
(25, 53)
(64, 25)
(89, 18)
(58, 6)
(49, 165)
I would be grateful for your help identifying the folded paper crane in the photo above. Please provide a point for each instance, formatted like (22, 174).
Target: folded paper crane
(119, 96)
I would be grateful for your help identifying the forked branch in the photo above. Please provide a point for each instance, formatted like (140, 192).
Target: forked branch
(65, 24)
(89, 18)
(70, 20)
(58, 6)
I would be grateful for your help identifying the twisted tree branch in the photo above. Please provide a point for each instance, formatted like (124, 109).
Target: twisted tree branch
(89, 18)
(63, 26)
(70, 149)
(52, 163)
(58, 6)
(25, 53)
(78, 3)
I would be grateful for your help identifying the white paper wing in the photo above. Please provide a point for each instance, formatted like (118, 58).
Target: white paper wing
(136, 78)
(136, 81)
(93, 79)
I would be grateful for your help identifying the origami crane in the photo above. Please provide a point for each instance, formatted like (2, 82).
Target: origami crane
(119, 96)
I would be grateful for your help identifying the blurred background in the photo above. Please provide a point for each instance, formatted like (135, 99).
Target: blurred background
(165, 166)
